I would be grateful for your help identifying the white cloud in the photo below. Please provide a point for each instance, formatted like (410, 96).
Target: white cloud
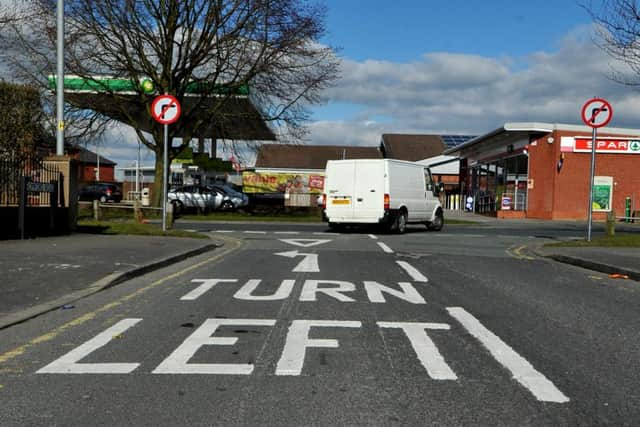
(457, 93)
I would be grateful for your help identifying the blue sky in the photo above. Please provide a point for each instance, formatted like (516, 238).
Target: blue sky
(403, 30)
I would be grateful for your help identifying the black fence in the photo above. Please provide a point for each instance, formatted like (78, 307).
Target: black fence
(17, 168)
(31, 196)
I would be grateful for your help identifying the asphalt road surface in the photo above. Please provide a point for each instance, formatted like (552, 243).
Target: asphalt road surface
(292, 325)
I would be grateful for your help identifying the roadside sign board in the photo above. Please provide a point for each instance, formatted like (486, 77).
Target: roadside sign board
(596, 113)
(165, 109)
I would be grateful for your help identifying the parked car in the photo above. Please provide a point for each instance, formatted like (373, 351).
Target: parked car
(102, 191)
(232, 199)
(194, 197)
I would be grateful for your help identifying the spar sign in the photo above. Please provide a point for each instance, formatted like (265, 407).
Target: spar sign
(582, 144)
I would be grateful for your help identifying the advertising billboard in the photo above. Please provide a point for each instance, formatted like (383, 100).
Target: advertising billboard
(276, 182)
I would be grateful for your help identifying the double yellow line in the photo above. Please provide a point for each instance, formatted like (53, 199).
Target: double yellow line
(517, 253)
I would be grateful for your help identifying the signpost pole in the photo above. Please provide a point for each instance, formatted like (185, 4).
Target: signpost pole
(60, 80)
(593, 169)
(165, 163)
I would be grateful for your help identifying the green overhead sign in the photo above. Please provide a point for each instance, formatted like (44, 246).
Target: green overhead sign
(121, 85)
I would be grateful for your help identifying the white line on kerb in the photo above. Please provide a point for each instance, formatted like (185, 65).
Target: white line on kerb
(523, 372)
(385, 248)
(373, 237)
(411, 271)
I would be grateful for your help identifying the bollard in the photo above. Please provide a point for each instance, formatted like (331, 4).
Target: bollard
(611, 223)
(627, 209)
(169, 215)
(137, 211)
(96, 210)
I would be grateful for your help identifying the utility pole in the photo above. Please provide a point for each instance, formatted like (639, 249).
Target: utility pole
(60, 80)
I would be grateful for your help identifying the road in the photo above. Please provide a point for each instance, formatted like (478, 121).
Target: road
(293, 325)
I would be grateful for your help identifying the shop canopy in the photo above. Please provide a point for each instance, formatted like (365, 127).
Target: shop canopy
(235, 115)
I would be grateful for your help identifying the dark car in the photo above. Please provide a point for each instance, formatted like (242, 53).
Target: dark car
(103, 191)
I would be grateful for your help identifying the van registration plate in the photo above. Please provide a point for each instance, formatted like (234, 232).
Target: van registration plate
(341, 201)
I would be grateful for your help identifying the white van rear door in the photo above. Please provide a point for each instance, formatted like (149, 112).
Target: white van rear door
(340, 189)
(369, 189)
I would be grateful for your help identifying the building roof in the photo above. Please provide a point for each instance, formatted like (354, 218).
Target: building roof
(292, 156)
(411, 147)
(89, 157)
(442, 165)
(525, 128)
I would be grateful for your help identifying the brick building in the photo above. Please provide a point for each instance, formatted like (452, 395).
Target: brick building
(542, 170)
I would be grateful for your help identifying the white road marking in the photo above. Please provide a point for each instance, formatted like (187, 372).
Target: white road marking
(298, 341)
(310, 289)
(254, 232)
(206, 285)
(283, 292)
(177, 362)
(68, 364)
(287, 232)
(309, 263)
(424, 347)
(323, 233)
(385, 248)
(411, 271)
(224, 231)
(305, 243)
(409, 293)
(523, 372)
(374, 237)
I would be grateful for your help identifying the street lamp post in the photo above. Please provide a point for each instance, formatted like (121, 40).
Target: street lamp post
(60, 81)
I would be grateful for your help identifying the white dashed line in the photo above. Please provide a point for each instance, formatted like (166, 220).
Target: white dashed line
(373, 237)
(522, 371)
(254, 232)
(411, 271)
(287, 232)
(385, 248)
(223, 231)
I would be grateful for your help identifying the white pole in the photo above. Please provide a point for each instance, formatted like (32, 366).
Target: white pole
(98, 161)
(138, 172)
(593, 169)
(165, 163)
(60, 80)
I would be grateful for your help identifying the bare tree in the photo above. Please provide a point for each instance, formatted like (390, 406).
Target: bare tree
(618, 34)
(221, 46)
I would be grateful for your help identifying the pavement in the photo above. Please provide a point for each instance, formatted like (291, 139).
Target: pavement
(45, 274)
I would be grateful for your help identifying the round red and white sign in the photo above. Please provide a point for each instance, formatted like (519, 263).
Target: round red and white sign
(597, 112)
(165, 109)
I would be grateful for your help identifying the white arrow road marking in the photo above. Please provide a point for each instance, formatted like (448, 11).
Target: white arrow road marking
(308, 265)
(523, 372)
(305, 243)
(411, 271)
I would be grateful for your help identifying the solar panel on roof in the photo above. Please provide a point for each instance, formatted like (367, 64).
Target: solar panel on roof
(455, 140)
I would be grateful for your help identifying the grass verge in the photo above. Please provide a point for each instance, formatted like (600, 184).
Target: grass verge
(134, 228)
(620, 240)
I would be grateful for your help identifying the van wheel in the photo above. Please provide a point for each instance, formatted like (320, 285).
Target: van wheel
(400, 225)
(336, 227)
(437, 223)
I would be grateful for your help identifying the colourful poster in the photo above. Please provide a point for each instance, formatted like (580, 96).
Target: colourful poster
(602, 193)
(253, 182)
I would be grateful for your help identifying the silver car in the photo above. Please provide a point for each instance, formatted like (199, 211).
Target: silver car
(231, 199)
(196, 197)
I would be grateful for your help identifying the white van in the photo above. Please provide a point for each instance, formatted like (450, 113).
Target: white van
(389, 192)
